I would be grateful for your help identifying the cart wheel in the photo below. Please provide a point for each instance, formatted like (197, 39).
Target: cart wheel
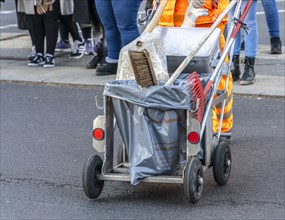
(120, 153)
(193, 180)
(92, 185)
(222, 162)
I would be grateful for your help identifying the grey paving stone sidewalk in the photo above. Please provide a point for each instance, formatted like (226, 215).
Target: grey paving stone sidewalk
(15, 48)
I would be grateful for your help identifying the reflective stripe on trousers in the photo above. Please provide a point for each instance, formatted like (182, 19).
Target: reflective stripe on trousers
(227, 123)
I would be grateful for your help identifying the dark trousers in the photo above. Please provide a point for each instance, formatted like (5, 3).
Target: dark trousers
(46, 26)
(67, 25)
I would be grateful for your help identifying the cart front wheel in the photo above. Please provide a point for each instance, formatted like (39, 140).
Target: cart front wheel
(222, 163)
(92, 185)
(193, 180)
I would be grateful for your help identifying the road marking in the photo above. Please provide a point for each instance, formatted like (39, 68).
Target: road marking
(7, 12)
(8, 26)
(262, 12)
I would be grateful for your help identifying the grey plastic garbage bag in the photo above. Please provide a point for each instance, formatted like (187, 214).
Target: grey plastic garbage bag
(151, 138)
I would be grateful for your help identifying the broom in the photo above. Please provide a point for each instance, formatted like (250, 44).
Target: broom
(140, 60)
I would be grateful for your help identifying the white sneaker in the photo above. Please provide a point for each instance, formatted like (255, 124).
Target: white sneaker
(78, 49)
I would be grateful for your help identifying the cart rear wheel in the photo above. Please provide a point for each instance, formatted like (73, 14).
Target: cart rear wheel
(222, 163)
(92, 185)
(193, 180)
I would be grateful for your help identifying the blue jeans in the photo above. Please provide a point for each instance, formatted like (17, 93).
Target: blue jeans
(272, 17)
(119, 18)
(250, 39)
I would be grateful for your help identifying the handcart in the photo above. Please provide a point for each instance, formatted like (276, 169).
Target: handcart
(164, 141)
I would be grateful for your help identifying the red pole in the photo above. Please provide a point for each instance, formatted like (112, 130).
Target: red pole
(241, 19)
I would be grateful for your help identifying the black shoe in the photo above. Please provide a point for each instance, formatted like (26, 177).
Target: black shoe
(275, 45)
(94, 62)
(49, 61)
(248, 76)
(37, 61)
(236, 70)
(105, 68)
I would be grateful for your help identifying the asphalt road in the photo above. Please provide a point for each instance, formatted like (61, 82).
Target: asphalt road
(46, 138)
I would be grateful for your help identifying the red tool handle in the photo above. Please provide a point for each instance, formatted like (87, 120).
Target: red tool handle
(242, 17)
(233, 36)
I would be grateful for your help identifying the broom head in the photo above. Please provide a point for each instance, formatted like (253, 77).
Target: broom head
(143, 69)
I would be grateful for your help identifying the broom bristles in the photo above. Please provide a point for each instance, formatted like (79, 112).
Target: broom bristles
(143, 69)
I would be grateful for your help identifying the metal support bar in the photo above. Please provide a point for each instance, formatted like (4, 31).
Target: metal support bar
(151, 179)
(220, 98)
(109, 126)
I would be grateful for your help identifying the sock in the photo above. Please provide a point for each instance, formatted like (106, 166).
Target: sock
(110, 60)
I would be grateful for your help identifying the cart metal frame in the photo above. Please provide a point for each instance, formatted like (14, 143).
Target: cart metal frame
(216, 151)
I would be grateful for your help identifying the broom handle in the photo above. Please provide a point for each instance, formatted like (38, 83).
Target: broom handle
(154, 21)
(200, 44)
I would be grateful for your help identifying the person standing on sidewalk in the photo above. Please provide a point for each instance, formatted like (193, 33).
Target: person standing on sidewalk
(24, 23)
(251, 42)
(44, 25)
(66, 26)
(272, 20)
(85, 13)
(1, 1)
(119, 19)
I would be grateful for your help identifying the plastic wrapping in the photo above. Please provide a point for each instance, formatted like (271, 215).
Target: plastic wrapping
(161, 97)
(149, 120)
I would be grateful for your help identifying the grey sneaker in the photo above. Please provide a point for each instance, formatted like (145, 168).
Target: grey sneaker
(62, 46)
(78, 49)
(37, 61)
(89, 47)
